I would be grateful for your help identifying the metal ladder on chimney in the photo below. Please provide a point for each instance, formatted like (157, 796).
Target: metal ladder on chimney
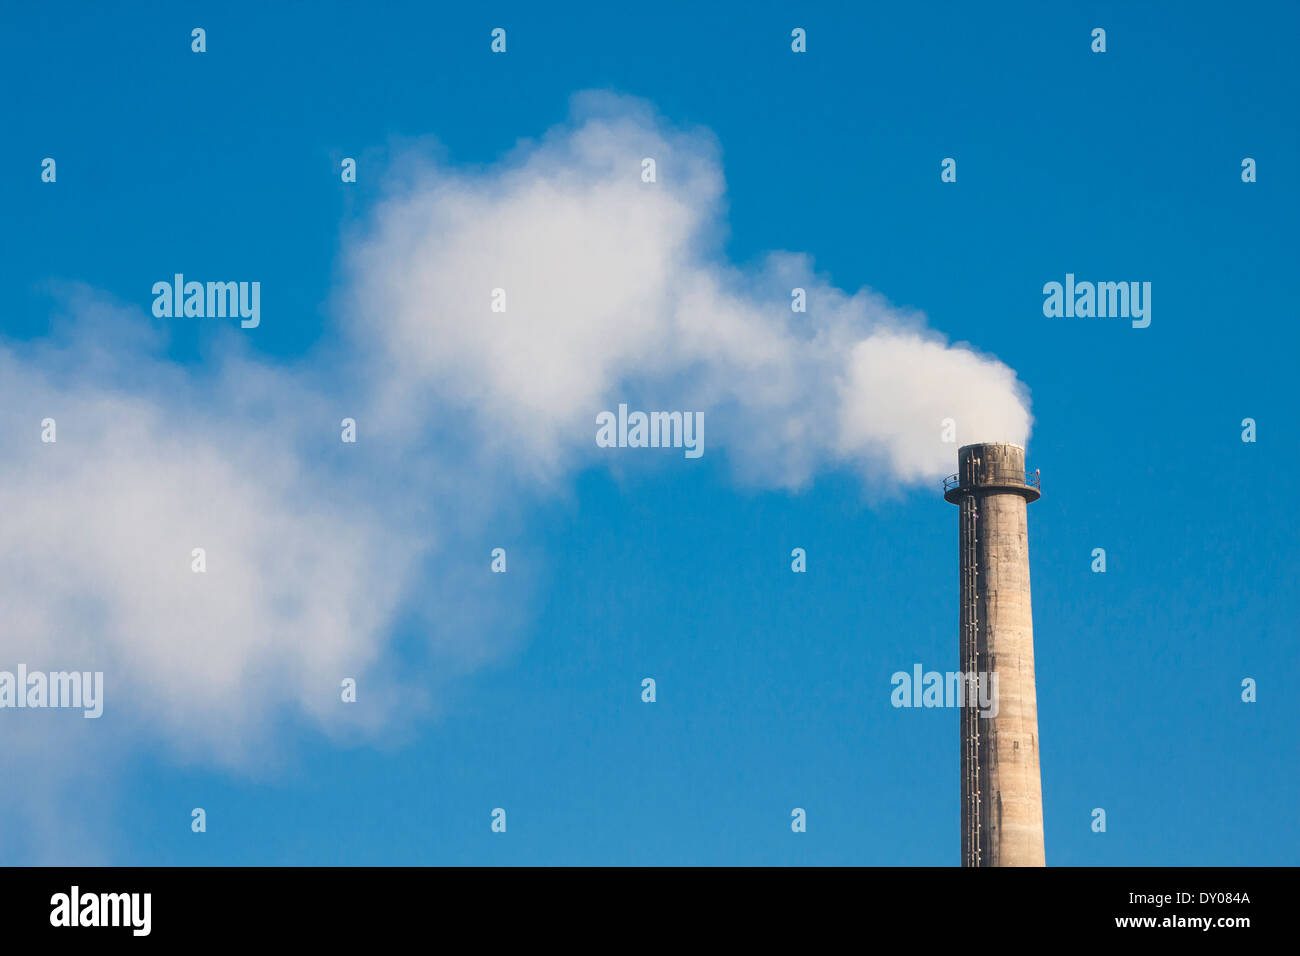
(970, 733)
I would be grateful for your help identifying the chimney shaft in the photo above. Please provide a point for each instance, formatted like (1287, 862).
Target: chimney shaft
(1001, 791)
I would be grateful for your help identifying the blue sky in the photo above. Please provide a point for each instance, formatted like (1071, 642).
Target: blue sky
(773, 688)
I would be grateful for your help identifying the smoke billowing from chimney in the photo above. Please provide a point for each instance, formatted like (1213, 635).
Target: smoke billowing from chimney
(318, 554)
(613, 290)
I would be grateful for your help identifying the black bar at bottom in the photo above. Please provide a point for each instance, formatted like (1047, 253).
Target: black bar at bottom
(671, 906)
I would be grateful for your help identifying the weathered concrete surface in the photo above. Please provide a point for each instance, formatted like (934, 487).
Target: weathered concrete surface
(1002, 805)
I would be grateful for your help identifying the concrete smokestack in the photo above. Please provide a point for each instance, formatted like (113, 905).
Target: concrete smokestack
(1001, 789)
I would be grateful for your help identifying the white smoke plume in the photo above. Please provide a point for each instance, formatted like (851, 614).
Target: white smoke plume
(616, 292)
(613, 292)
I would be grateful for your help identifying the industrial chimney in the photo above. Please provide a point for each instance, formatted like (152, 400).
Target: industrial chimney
(1001, 787)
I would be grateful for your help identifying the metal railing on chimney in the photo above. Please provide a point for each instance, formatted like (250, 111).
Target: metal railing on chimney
(1031, 481)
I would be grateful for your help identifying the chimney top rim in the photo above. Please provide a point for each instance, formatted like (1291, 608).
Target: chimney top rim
(990, 444)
